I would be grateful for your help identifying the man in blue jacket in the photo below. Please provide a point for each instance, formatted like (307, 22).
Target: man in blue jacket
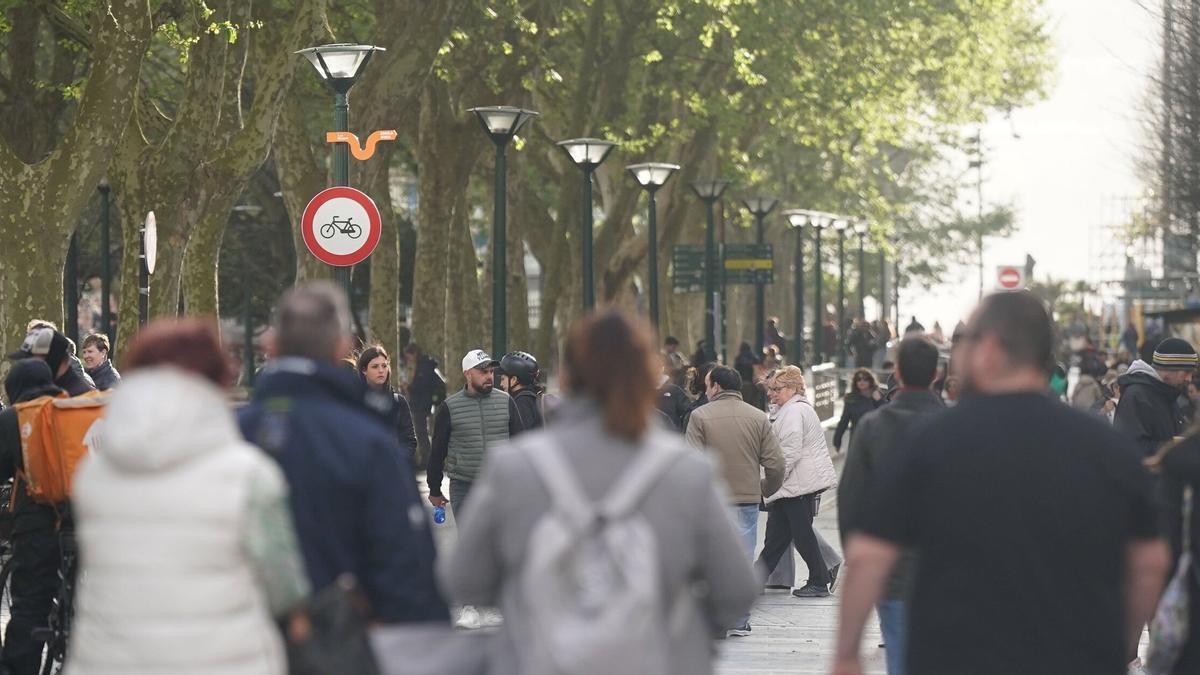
(353, 494)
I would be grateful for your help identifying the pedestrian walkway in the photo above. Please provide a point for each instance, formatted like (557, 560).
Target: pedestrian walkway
(794, 635)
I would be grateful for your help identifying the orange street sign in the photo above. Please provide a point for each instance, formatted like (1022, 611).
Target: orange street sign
(358, 151)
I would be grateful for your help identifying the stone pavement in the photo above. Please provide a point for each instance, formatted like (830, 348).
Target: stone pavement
(794, 635)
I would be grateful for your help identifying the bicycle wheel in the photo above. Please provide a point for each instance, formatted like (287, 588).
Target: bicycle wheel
(327, 230)
(355, 230)
(6, 567)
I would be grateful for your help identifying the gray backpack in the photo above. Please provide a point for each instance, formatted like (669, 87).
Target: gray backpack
(591, 585)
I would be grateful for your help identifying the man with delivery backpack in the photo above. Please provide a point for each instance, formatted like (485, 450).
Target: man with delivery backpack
(43, 437)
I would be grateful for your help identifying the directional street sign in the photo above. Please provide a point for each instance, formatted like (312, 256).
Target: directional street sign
(341, 226)
(744, 264)
(749, 264)
(151, 229)
(687, 268)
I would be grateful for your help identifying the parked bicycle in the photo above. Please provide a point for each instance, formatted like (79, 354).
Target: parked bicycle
(58, 631)
(347, 227)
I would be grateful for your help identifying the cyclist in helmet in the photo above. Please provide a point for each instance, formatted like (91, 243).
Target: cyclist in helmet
(519, 377)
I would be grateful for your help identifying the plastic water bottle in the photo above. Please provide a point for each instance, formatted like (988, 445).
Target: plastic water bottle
(439, 514)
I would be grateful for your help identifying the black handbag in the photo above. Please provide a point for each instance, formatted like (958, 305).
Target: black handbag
(336, 642)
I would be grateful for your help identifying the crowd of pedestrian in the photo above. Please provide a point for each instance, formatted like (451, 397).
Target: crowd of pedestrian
(991, 526)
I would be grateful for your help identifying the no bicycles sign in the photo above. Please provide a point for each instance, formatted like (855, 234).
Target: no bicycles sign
(341, 226)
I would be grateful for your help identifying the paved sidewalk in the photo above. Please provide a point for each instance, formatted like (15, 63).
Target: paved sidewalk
(794, 635)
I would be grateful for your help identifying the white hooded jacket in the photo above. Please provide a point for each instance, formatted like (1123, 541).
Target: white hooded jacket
(809, 468)
(166, 583)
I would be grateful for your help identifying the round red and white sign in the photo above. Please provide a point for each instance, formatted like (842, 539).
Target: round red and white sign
(1010, 278)
(341, 226)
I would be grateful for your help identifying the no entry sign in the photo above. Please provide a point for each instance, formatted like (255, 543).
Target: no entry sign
(341, 226)
(1010, 277)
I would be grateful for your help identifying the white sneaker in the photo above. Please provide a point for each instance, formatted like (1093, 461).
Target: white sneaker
(468, 618)
(491, 618)
(1135, 667)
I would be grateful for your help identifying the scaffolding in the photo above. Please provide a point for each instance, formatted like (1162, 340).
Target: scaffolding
(1134, 267)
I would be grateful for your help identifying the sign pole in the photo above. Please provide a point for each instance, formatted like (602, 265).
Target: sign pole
(652, 218)
(341, 177)
(760, 309)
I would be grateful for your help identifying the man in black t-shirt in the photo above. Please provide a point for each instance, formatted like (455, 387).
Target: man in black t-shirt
(1034, 523)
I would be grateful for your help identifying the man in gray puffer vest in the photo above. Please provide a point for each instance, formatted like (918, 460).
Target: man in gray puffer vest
(465, 426)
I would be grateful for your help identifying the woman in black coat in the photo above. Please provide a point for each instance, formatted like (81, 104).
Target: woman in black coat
(375, 369)
(864, 397)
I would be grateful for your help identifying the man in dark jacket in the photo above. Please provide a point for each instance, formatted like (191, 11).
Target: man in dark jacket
(673, 403)
(51, 346)
(36, 550)
(519, 379)
(96, 362)
(354, 498)
(875, 437)
(428, 389)
(1147, 412)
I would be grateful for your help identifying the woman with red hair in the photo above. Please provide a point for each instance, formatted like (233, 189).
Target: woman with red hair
(603, 443)
(187, 545)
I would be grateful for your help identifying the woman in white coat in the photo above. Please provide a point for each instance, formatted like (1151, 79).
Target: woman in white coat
(188, 551)
(809, 472)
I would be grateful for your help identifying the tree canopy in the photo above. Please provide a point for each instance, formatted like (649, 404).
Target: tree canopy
(193, 106)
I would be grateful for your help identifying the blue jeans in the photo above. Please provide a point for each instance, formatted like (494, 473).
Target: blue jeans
(459, 489)
(893, 622)
(745, 521)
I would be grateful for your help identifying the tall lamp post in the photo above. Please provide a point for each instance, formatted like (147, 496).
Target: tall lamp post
(709, 191)
(760, 208)
(587, 154)
(340, 66)
(249, 213)
(501, 124)
(840, 226)
(652, 176)
(818, 221)
(105, 262)
(798, 219)
(860, 228)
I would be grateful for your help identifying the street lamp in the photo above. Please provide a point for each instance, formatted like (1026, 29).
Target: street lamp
(587, 154)
(501, 124)
(840, 225)
(248, 214)
(652, 176)
(105, 262)
(818, 220)
(760, 207)
(709, 191)
(860, 228)
(798, 219)
(340, 65)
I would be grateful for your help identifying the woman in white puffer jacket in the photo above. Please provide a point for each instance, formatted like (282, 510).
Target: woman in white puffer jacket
(187, 547)
(809, 472)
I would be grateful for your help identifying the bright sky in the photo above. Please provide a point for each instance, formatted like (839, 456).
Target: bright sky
(1063, 163)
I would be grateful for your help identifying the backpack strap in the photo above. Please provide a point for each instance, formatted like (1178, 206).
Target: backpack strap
(560, 481)
(651, 462)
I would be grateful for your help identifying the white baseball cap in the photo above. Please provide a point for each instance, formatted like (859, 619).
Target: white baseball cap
(477, 358)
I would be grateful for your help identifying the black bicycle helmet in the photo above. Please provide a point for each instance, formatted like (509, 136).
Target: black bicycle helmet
(521, 366)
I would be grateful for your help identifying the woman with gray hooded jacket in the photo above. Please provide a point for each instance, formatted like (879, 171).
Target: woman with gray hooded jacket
(602, 429)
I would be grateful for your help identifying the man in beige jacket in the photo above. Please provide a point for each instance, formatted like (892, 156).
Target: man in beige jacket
(739, 437)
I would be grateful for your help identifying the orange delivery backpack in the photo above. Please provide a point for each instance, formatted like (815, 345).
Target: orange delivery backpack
(57, 432)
